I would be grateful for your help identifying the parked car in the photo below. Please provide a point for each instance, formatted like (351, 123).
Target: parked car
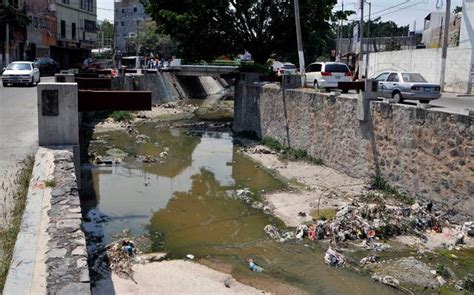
(47, 66)
(326, 75)
(21, 72)
(286, 68)
(401, 86)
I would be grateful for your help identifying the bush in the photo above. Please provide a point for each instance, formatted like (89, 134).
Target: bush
(289, 153)
(380, 184)
(119, 116)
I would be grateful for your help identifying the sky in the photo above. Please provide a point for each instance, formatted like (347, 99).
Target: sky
(404, 12)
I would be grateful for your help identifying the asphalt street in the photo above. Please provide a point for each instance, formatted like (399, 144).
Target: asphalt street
(18, 133)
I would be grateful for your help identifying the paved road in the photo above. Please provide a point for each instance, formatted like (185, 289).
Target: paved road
(449, 102)
(18, 134)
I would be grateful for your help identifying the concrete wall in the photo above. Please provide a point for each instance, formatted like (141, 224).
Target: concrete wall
(166, 86)
(50, 252)
(426, 153)
(428, 63)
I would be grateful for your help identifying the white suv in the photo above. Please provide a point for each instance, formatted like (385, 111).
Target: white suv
(326, 75)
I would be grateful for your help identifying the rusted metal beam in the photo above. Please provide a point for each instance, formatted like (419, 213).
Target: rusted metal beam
(94, 83)
(90, 100)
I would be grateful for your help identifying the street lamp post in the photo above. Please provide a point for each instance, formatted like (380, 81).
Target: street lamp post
(361, 36)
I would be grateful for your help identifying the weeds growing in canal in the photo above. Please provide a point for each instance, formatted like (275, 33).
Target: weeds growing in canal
(120, 116)
(389, 191)
(9, 234)
(290, 154)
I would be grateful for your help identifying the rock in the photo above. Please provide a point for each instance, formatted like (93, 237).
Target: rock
(387, 280)
(57, 253)
(257, 205)
(459, 239)
(261, 149)
(369, 259)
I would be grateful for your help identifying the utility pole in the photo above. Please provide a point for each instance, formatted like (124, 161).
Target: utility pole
(368, 44)
(341, 26)
(299, 40)
(6, 58)
(445, 45)
(361, 36)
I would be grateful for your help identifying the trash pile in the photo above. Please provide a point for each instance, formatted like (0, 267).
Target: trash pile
(333, 258)
(378, 221)
(119, 257)
(254, 267)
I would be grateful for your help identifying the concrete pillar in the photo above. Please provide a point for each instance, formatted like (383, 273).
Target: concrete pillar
(64, 78)
(58, 122)
(363, 101)
(58, 118)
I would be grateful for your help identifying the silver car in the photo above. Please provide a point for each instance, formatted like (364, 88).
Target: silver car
(401, 86)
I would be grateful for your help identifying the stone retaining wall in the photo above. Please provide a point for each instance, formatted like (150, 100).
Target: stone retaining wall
(424, 152)
(50, 255)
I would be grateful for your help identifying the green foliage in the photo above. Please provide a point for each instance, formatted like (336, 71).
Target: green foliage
(254, 67)
(290, 153)
(272, 143)
(388, 191)
(9, 234)
(120, 116)
(378, 28)
(50, 182)
(393, 45)
(107, 28)
(443, 271)
(150, 40)
(206, 29)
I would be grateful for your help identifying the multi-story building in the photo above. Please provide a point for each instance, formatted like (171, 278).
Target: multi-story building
(130, 18)
(41, 31)
(75, 30)
(13, 22)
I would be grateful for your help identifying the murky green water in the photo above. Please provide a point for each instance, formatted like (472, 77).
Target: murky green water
(185, 203)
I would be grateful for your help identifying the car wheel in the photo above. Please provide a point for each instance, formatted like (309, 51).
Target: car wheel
(316, 85)
(345, 91)
(32, 83)
(5, 84)
(39, 80)
(328, 89)
(424, 100)
(397, 96)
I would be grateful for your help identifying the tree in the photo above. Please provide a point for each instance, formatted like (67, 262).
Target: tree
(457, 9)
(151, 41)
(379, 28)
(206, 29)
(106, 31)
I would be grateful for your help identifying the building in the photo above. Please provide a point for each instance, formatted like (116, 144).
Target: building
(13, 23)
(130, 17)
(434, 28)
(75, 31)
(41, 31)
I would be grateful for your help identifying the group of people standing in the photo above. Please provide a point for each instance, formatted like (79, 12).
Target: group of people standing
(156, 63)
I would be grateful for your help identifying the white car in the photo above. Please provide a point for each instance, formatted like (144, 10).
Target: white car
(326, 75)
(21, 72)
(286, 68)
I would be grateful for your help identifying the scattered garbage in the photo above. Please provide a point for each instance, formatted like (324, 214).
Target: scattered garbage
(254, 267)
(277, 235)
(468, 228)
(301, 214)
(334, 258)
(190, 256)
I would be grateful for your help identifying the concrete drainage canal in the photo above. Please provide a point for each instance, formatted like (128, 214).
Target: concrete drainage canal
(182, 188)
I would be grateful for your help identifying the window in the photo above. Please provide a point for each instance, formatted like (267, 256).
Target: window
(314, 68)
(65, 1)
(135, 9)
(123, 24)
(336, 68)
(413, 77)
(393, 77)
(123, 10)
(89, 25)
(63, 29)
(73, 31)
(382, 77)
